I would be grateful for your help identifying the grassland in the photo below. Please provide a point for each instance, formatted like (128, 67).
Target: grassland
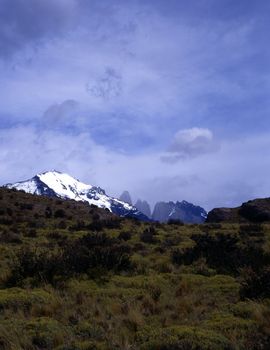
(74, 277)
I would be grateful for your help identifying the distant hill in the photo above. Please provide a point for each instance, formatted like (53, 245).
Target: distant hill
(257, 210)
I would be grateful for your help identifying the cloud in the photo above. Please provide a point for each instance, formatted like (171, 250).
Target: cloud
(108, 86)
(29, 22)
(117, 79)
(233, 174)
(189, 143)
(61, 115)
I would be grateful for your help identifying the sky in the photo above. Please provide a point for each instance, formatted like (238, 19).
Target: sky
(169, 99)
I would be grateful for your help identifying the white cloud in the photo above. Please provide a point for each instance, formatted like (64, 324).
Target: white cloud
(189, 143)
(235, 173)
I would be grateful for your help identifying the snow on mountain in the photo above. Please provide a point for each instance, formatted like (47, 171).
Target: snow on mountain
(61, 185)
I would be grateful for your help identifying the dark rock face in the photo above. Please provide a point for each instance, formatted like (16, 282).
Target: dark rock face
(257, 210)
(184, 211)
(125, 197)
(222, 215)
(143, 207)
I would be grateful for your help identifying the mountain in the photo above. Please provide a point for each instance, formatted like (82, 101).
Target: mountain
(256, 210)
(183, 211)
(125, 197)
(143, 207)
(57, 184)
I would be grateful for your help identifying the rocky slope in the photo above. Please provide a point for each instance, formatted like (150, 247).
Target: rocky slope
(257, 210)
(184, 211)
(143, 207)
(125, 197)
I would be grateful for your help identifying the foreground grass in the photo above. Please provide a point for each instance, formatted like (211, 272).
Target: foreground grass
(153, 303)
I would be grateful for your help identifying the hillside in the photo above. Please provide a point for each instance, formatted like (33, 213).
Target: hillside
(77, 277)
(256, 210)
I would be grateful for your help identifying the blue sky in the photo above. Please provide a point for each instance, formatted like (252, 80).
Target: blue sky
(168, 99)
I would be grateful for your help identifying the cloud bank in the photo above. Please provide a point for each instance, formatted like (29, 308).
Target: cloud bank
(167, 99)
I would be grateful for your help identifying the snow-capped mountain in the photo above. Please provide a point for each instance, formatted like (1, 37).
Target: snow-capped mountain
(57, 184)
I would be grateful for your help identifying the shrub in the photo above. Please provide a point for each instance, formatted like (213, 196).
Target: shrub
(9, 211)
(255, 285)
(98, 250)
(223, 253)
(62, 225)
(96, 225)
(59, 213)
(26, 206)
(31, 233)
(40, 266)
(251, 230)
(54, 235)
(79, 226)
(76, 257)
(147, 236)
(48, 212)
(10, 237)
(6, 220)
(125, 236)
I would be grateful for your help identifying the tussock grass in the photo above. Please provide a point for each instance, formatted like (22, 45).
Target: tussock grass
(150, 302)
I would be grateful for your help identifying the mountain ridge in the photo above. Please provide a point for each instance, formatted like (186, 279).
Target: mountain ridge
(184, 211)
(57, 184)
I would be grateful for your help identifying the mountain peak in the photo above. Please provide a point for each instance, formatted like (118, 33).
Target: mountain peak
(57, 184)
(184, 211)
(125, 197)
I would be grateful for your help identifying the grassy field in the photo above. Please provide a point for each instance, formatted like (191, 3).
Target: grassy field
(74, 277)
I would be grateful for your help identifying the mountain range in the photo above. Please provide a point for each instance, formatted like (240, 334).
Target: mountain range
(61, 185)
(165, 211)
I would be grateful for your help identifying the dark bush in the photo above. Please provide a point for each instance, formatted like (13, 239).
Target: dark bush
(31, 233)
(26, 206)
(147, 236)
(59, 213)
(223, 253)
(125, 236)
(96, 250)
(10, 237)
(251, 230)
(255, 284)
(6, 220)
(96, 225)
(80, 256)
(62, 225)
(42, 266)
(96, 217)
(54, 235)
(48, 212)
(79, 226)
(9, 211)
